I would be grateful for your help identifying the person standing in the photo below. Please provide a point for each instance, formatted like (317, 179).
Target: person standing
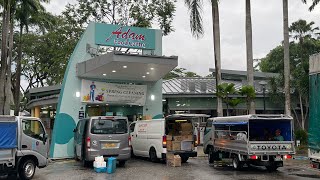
(92, 89)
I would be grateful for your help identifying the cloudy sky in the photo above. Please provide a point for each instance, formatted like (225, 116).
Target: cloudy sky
(197, 54)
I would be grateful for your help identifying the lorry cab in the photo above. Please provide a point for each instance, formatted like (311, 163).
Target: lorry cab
(106, 136)
(23, 145)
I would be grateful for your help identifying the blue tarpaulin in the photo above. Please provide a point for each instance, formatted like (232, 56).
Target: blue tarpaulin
(230, 123)
(8, 135)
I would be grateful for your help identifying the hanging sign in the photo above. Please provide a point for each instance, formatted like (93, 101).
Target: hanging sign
(112, 93)
(124, 36)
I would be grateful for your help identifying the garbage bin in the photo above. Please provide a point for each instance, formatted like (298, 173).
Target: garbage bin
(112, 163)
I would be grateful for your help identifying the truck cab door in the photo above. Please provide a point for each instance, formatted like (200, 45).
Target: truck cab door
(34, 139)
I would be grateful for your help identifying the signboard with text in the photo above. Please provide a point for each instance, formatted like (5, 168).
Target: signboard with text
(112, 93)
(124, 36)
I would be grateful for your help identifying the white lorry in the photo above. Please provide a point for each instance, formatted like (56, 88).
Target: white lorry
(23, 146)
(260, 140)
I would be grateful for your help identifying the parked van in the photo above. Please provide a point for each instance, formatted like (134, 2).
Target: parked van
(105, 136)
(154, 138)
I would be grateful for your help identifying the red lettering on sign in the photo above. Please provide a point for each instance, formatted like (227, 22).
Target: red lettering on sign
(126, 35)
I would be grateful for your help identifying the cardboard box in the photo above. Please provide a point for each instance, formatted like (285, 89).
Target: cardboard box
(183, 133)
(186, 127)
(98, 164)
(169, 145)
(169, 137)
(146, 117)
(169, 156)
(176, 145)
(175, 161)
(177, 138)
(187, 138)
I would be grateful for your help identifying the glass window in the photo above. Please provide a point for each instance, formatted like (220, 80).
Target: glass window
(109, 126)
(132, 127)
(33, 128)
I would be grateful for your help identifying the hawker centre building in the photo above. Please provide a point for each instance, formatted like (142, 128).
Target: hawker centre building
(124, 82)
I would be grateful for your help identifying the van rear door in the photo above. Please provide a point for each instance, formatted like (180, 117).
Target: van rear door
(109, 135)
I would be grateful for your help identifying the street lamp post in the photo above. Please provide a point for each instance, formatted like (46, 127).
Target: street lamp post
(263, 84)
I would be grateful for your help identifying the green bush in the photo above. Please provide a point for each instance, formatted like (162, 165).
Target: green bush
(301, 135)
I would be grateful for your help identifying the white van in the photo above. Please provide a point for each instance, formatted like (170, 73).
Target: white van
(154, 138)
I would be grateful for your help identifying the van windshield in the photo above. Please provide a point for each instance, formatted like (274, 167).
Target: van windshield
(109, 126)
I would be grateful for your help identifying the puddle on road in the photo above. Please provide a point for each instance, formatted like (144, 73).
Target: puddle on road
(293, 169)
(307, 175)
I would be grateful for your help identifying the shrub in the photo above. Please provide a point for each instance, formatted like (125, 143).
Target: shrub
(301, 135)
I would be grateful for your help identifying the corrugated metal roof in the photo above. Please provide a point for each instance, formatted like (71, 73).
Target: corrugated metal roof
(182, 85)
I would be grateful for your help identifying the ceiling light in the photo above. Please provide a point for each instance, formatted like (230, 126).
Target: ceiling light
(97, 105)
(107, 104)
(77, 94)
(147, 73)
(124, 66)
(152, 68)
(114, 71)
(152, 97)
(144, 76)
(104, 74)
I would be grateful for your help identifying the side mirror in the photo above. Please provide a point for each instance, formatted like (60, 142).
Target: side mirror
(44, 137)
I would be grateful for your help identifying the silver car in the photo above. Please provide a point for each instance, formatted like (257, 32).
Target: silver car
(106, 136)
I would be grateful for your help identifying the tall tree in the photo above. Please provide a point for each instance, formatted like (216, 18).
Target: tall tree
(195, 7)
(5, 75)
(25, 10)
(249, 52)
(224, 92)
(286, 59)
(249, 93)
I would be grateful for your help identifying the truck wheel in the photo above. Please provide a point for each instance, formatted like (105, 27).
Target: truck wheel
(27, 169)
(153, 155)
(184, 158)
(271, 168)
(211, 155)
(236, 163)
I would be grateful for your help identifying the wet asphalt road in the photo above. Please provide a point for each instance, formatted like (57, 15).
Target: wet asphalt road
(196, 168)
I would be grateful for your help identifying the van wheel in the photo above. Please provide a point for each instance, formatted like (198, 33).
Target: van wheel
(85, 163)
(236, 163)
(153, 155)
(75, 155)
(122, 163)
(210, 155)
(184, 158)
(27, 169)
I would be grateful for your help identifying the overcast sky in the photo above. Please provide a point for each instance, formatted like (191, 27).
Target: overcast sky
(197, 54)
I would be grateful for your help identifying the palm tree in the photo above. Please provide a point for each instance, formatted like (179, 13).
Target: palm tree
(249, 51)
(195, 7)
(25, 10)
(224, 91)
(286, 59)
(301, 30)
(313, 5)
(249, 93)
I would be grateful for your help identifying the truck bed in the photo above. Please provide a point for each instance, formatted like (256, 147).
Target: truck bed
(7, 157)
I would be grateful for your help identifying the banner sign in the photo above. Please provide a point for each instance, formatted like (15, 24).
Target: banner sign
(112, 93)
(124, 36)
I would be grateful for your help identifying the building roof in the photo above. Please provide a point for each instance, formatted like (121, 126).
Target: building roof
(236, 74)
(196, 85)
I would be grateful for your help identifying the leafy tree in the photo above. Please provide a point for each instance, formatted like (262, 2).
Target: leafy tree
(234, 102)
(302, 46)
(224, 91)
(139, 13)
(195, 8)
(249, 93)
(180, 72)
